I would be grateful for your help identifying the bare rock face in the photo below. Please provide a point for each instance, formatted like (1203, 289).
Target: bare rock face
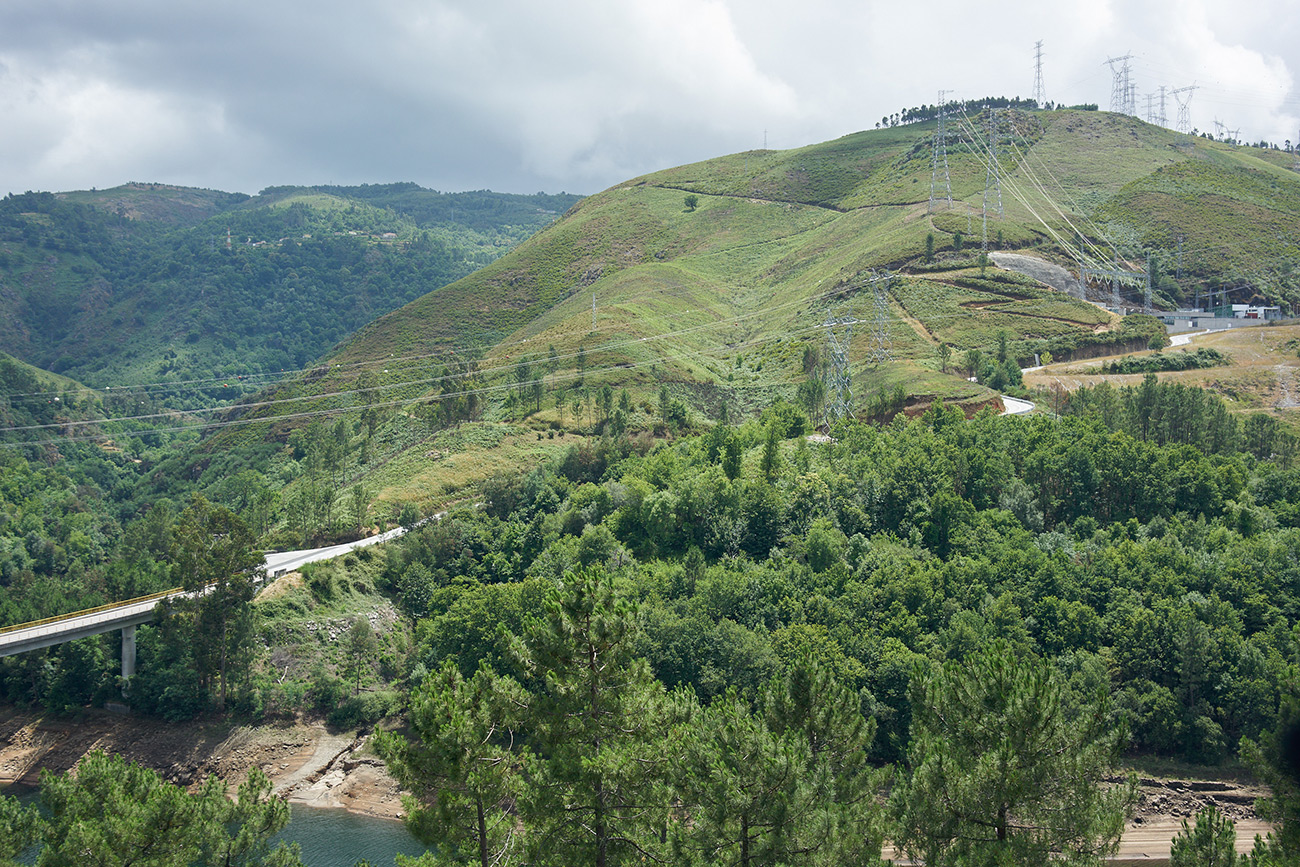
(1031, 266)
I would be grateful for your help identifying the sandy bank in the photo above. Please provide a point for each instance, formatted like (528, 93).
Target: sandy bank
(307, 763)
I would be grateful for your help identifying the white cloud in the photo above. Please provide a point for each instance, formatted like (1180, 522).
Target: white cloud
(575, 94)
(68, 129)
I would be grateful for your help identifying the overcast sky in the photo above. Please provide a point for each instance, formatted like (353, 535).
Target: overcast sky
(571, 95)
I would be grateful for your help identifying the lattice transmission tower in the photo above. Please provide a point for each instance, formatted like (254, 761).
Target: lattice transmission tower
(839, 379)
(880, 319)
(839, 339)
(1040, 93)
(1123, 92)
(940, 157)
(1185, 107)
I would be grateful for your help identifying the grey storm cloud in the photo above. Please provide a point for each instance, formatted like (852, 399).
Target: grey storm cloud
(572, 94)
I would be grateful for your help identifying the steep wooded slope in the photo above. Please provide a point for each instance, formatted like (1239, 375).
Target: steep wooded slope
(148, 282)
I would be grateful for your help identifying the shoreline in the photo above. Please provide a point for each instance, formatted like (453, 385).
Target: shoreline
(307, 764)
(311, 767)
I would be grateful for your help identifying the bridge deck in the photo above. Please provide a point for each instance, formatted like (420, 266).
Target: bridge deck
(56, 630)
(22, 637)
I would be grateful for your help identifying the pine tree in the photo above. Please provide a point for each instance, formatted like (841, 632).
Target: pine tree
(841, 825)
(742, 788)
(464, 765)
(110, 812)
(19, 828)
(599, 721)
(1212, 843)
(997, 773)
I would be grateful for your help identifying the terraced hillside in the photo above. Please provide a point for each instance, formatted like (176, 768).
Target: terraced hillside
(716, 278)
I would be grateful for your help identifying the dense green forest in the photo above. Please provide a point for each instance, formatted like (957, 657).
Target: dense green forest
(248, 286)
(1145, 541)
(1137, 553)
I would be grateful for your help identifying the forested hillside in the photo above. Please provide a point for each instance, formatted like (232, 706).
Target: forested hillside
(1143, 547)
(1143, 542)
(148, 283)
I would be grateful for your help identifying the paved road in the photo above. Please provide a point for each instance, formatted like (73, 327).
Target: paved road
(134, 612)
(286, 561)
(1015, 406)
(1185, 338)
(93, 622)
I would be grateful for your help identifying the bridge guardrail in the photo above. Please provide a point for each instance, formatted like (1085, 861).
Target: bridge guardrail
(58, 618)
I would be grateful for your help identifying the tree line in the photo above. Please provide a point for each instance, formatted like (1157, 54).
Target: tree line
(1132, 559)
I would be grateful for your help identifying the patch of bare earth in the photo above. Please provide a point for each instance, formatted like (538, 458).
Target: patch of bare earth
(1164, 804)
(306, 763)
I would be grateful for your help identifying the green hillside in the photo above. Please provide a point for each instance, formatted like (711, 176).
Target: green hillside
(684, 292)
(155, 283)
(38, 400)
(722, 299)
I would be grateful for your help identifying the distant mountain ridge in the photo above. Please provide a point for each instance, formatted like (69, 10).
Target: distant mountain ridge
(155, 282)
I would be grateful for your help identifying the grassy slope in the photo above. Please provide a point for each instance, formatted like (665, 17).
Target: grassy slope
(773, 231)
(164, 205)
(1263, 374)
(1236, 211)
(721, 301)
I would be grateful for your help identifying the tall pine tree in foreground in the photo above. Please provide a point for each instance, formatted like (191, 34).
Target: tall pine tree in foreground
(742, 785)
(111, 813)
(599, 721)
(842, 825)
(465, 766)
(998, 773)
(788, 786)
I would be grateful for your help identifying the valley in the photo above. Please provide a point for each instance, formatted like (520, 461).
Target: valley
(732, 530)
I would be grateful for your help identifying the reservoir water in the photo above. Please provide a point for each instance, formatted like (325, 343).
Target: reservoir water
(328, 838)
(337, 838)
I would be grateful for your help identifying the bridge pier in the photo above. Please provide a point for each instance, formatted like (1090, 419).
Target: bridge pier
(128, 655)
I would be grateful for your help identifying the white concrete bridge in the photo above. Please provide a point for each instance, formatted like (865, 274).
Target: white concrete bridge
(127, 615)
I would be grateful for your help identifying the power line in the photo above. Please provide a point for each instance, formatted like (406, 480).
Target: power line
(501, 367)
(940, 155)
(992, 175)
(882, 327)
